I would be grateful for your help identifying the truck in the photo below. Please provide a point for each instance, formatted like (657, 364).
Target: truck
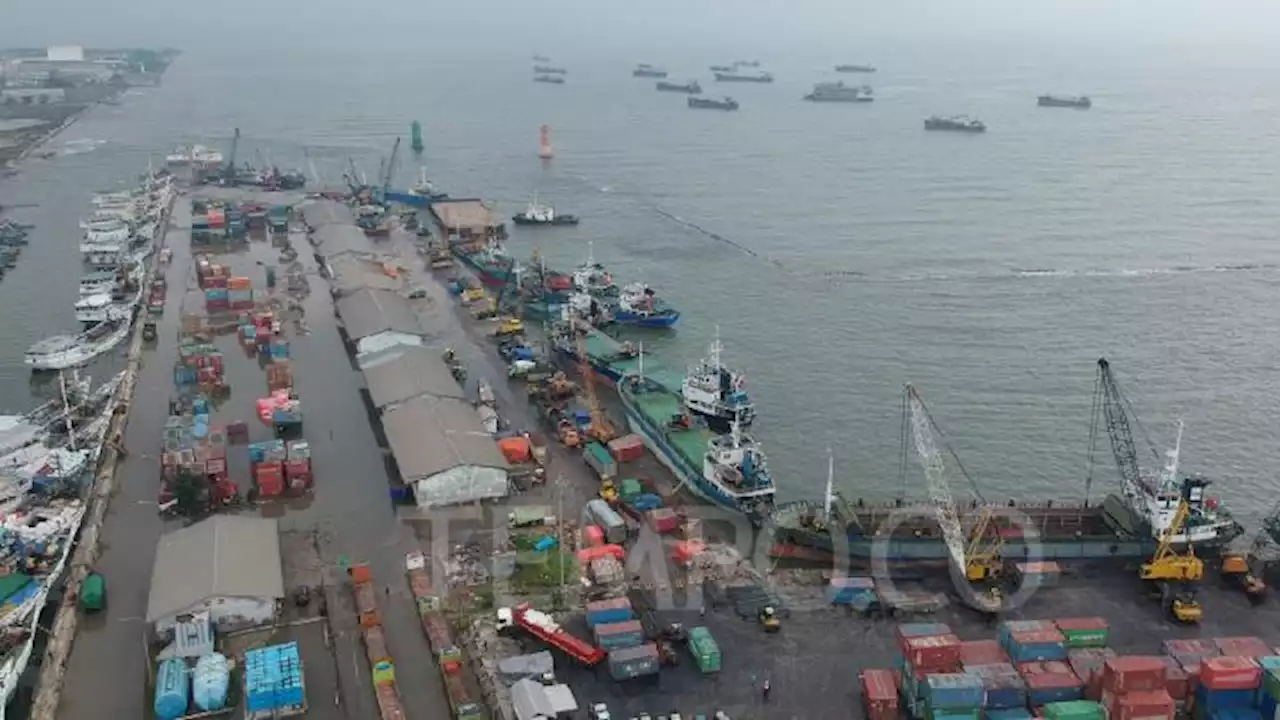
(375, 644)
(541, 626)
(615, 528)
(389, 706)
(598, 457)
(436, 628)
(460, 702)
(420, 583)
(278, 218)
(365, 594)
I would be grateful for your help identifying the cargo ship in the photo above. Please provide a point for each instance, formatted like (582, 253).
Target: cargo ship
(611, 359)
(490, 263)
(549, 70)
(727, 103)
(855, 68)
(691, 88)
(839, 92)
(717, 393)
(1080, 102)
(648, 71)
(550, 79)
(728, 470)
(955, 123)
(734, 76)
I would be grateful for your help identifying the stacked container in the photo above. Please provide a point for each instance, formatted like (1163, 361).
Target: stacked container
(1035, 645)
(858, 592)
(216, 301)
(633, 662)
(1250, 647)
(953, 696)
(614, 610)
(1177, 683)
(1269, 693)
(279, 374)
(266, 466)
(1074, 710)
(1089, 632)
(286, 421)
(1134, 687)
(273, 682)
(879, 694)
(1226, 684)
(1005, 688)
(240, 293)
(1189, 654)
(1050, 681)
(615, 636)
(926, 649)
(297, 466)
(1087, 664)
(706, 652)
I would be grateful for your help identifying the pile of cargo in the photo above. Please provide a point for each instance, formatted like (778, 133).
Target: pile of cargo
(273, 682)
(199, 366)
(375, 644)
(616, 630)
(279, 372)
(282, 413)
(195, 451)
(277, 466)
(210, 274)
(436, 627)
(183, 689)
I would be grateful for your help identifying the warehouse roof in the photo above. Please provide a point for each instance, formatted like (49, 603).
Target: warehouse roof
(412, 372)
(224, 556)
(334, 240)
(320, 213)
(464, 214)
(429, 435)
(352, 273)
(369, 312)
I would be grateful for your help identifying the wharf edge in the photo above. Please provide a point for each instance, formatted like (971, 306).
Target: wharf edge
(62, 635)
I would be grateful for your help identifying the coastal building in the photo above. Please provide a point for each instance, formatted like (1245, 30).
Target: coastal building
(227, 566)
(443, 452)
(354, 272)
(533, 700)
(409, 373)
(374, 320)
(467, 220)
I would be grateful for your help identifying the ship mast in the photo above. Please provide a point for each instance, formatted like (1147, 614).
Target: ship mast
(715, 349)
(66, 411)
(831, 477)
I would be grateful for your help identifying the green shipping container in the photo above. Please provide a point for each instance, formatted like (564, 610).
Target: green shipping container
(1074, 710)
(1271, 683)
(93, 593)
(630, 488)
(1086, 638)
(706, 652)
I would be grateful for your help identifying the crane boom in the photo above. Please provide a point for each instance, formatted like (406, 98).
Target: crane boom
(935, 478)
(1109, 405)
(391, 167)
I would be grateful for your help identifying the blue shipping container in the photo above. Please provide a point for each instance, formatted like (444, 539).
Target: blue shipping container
(1235, 714)
(183, 375)
(1213, 700)
(911, 630)
(646, 501)
(1006, 692)
(1269, 708)
(1009, 627)
(608, 616)
(954, 690)
(273, 678)
(1044, 696)
(1031, 652)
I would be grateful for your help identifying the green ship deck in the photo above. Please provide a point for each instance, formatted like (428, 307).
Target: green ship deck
(660, 408)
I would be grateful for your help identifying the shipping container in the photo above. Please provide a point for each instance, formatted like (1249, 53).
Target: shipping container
(1089, 632)
(1230, 673)
(615, 529)
(1037, 574)
(1133, 673)
(614, 610)
(982, 652)
(705, 650)
(1005, 688)
(633, 662)
(614, 636)
(1141, 705)
(1176, 680)
(1250, 647)
(598, 457)
(663, 520)
(1032, 645)
(936, 652)
(910, 630)
(375, 644)
(389, 707)
(1074, 710)
(627, 448)
(879, 694)
(856, 591)
(629, 489)
(1208, 701)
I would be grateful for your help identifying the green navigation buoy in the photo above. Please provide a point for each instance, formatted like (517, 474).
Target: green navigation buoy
(416, 133)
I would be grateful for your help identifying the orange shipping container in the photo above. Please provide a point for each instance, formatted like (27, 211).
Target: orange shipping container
(389, 702)
(515, 449)
(239, 283)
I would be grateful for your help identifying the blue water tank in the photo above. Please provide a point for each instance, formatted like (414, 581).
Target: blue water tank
(209, 682)
(171, 689)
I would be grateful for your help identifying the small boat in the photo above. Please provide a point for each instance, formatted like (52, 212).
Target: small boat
(537, 214)
(640, 306)
(425, 188)
(955, 123)
(855, 68)
(100, 308)
(549, 79)
(726, 103)
(67, 351)
(96, 283)
(722, 68)
(839, 92)
(717, 393)
(692, 87)
(592, 278)
(648, 71)
(734, 76)
(1080, 102)
(550, 70)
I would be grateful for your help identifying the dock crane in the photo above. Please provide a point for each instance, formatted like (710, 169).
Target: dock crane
(978, 554)
(389, 169)
(1172, 574)
(600, 429)
(229, 166)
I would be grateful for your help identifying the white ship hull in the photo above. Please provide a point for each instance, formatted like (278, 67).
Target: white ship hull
(77, 353)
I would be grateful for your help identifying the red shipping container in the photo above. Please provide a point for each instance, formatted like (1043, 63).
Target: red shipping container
(627, 448)
(1140, 705)
(1176, 681)
(1087, 664)
(592, 536)
(297, 468)
(1132, 674)
(879, 694)
(1044, 681)
(663, 520)
(269, 477)
(1250, 647)
(982, 652)
(1083, 623)
(216, 466)
(933, 652)
(1230, 673)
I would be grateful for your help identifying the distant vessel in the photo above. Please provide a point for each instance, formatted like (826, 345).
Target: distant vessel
(716, 393)
(727, 103)
(722, 68)
(550, 70)
(855, 68)
(550, 79)
(640, 306)
(839, 92)
(746, 63)
(1081, 102)
(732, 76)
(541, 59)
(648, 71)
(538, 214)
(955, 123)
(692, 87)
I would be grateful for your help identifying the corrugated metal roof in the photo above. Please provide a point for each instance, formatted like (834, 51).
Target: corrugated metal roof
(352, 273)
(529, 700)
(320, 213)
(369, 312)
(414, 371)
(338, 239)
(224, 556)
(469, 215)
(430, 435)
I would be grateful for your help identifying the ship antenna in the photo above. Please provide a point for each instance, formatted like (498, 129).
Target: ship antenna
(66, 410)
(591, 253)
(831, 477)
(735, 430)
(715, 349)
(1170, 478)
(641, 365)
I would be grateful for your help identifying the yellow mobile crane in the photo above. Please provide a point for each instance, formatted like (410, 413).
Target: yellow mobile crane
(1172, 574)
(600, 429)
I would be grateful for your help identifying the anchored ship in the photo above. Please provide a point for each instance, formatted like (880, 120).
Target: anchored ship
(692, 87)
(728, 470)
(727, 103)
(550, 79)
(639, 305)
(538, 214)
(955, 123)
(734, 76)
(549, 70)
(648, 71)
(490, 262)
(1080, 102)
(716, 393)
(855, 68)
(839, 92)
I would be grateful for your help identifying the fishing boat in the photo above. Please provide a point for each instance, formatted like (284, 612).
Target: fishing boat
(490, 262)
(539, 214)
(66, 351)
(646, 70)
(100, 308)
(1079, 102)
(639, 305)
(716, 393)
(592, 278)
(728, 470)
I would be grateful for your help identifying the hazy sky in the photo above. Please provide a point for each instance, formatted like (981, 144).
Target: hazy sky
(771, 24)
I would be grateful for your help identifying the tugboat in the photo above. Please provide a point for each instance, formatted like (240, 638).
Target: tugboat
(537, 214)
(855, 68)
(955, 123)
(424, 187)
(648, 71)
(716, 393)
(550, 70)
(692, 87)
(1081, 102)
(733, 76)
(549, 79)
(638, 305)
(591, 277)
(839, 92)
(727, 103)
